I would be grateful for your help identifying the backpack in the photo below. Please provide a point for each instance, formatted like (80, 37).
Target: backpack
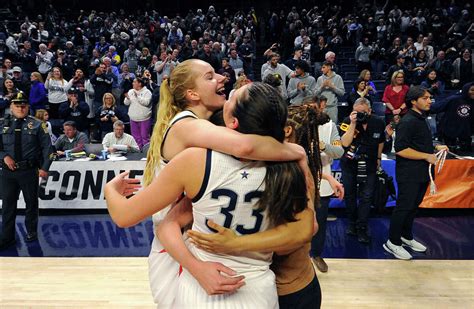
(384, 187)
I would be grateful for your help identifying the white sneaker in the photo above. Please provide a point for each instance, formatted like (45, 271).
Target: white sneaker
(413, 245)
(398, 251)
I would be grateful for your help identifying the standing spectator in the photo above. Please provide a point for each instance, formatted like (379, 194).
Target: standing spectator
(64, 64)
(235, 62)
(71, 139)
(102, 82)
(426, 47)
(24, 157)
(463, 68)
(331, 86)
(330, 57)
(229, 75)
(37, 98)
(362, 158)
(9, 92)
(241, 81)
(360, 90)
(94, 62)
(21, 81)
(144, 60)
(399, 66)
(302, 84)
(432, 83)
(394, 96)
(207, 56)
(139, 100)
(131, 57)
(125, 79)
(282, 70)
(318, 55)
(75, 110)
(414, 149)
(247, 53)
(298, 51)
(164, 67)
(108, 114)
(44, 60)
(362, 55)
(119, 137)
(57, 87)
(27, 58)
(419, 67)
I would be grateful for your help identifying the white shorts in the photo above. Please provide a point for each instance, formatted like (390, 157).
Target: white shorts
(259, 292)
(163, 273)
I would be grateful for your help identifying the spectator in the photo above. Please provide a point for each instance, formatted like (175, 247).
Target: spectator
(463, 68)
(330, 57)
(360, 90)
(318, 54)
(125, 79)
(119, 137)
(330, 85)
(209, 57)
(164, 67)
(235, 62)
(108, 114)
(399, 66)
(131, 57)
(302, 84)
(78, 81)
(71, 139)
(280, 69)
(64, 64)
(75, 110)
(9, 92)
(8, 67)
(21, 81)
(229, 74)
(43, 115)
(432, 83)
(44, 60)
(102, 82)
(144, 60)
(298, 51)
(443, 67)
(57, 87)
(38, 98)
(419, 67)
(139, 100)
(362, 55)
(27, 58)
(367, 77)
(241, 81)
(394, 96)
(426, 47)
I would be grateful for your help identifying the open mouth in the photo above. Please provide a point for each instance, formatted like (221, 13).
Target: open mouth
(221, 92)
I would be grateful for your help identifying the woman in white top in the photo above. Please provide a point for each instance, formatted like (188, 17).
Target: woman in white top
(139, 100)
(57, 88)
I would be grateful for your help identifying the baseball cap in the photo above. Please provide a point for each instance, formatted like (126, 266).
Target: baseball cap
(16, 69)
(72, 90)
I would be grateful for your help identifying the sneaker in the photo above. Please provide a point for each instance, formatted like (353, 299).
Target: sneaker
(398, 251)
(31, 237)
(413, 245)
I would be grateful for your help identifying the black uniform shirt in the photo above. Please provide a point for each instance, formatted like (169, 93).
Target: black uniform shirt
(413, 132)
(366, 142)
(35, 141)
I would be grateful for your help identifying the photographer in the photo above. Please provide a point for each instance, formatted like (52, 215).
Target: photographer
(362, 139)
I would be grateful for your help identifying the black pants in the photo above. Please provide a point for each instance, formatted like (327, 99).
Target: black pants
(307, 298)
(358, 215)
(317, 243)
(12, 183)
(410, 195)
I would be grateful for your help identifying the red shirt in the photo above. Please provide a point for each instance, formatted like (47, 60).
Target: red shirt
(396, 99)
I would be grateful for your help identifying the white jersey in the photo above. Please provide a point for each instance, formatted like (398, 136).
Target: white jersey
(228, 196)
(163, 270)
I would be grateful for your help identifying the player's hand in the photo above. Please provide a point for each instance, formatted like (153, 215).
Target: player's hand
(215, 278)
(124, 186)
(431, 158)
(220, 242)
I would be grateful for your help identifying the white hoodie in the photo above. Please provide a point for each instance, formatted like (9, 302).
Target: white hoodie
(140, 104)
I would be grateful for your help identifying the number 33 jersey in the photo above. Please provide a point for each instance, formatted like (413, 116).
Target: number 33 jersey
(229, 193)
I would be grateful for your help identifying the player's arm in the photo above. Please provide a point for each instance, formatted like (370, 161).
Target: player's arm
(287, 237)
(248, 146)
(160, 193)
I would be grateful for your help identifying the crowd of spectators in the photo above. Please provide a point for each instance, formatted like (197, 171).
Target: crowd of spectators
(97, 68)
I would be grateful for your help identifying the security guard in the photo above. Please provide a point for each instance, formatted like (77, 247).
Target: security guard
(25, 154)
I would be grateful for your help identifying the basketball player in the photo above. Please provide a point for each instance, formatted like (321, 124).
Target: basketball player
(226, 190)
(189, 97)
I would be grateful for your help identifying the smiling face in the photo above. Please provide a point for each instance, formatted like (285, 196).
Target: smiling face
(209, 86)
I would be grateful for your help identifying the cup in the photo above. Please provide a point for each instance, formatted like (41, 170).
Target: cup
(104, 154)
(68, 155)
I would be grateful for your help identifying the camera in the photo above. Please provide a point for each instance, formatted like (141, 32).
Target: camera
(362, 117)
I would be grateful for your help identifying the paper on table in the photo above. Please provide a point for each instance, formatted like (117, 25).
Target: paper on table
(120, 147)
(113, 158)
